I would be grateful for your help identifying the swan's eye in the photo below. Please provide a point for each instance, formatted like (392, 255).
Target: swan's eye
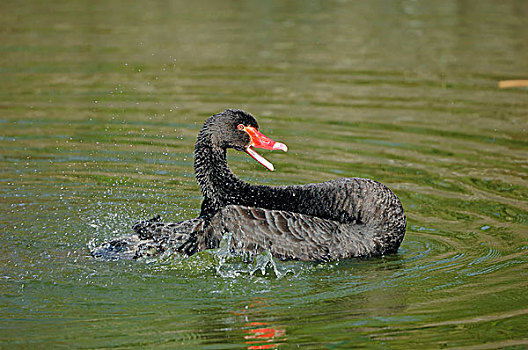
(240, 127)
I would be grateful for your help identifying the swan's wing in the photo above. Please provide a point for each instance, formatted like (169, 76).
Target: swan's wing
(290, 235)
(152, 238)
(170, 234)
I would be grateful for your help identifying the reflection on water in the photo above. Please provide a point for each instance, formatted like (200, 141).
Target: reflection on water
(260, 334)
(263, 337)
(101, 104)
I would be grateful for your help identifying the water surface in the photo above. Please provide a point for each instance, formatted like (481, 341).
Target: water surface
(100, 107)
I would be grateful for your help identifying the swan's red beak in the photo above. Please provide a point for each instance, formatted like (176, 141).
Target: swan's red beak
(259, 140)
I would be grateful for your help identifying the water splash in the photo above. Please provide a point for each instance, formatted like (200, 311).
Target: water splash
(231, 264)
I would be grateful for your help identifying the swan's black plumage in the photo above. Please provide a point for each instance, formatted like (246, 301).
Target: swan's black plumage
(344, 218)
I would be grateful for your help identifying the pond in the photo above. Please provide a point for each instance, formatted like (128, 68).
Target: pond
(101, 103)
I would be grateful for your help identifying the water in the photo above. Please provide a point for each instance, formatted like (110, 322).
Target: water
(100, 107)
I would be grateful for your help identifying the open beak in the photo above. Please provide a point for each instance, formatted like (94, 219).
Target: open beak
(258, 140)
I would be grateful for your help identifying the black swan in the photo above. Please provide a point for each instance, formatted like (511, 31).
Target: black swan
(344, 218)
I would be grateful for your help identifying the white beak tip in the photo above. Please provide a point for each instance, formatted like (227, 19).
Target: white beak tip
(280, 146)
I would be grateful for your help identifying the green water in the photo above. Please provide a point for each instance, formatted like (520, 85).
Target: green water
(100, 106)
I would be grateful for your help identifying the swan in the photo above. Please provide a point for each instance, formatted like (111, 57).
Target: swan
(336, 219)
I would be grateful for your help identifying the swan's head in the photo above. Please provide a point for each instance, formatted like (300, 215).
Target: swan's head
(234, 128)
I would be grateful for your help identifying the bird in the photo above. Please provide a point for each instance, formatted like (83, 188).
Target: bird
(328, 221)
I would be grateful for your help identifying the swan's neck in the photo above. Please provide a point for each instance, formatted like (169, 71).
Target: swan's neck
(220, 187)
(217, 182)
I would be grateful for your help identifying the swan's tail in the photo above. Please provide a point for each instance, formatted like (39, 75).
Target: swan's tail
(151, 238)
